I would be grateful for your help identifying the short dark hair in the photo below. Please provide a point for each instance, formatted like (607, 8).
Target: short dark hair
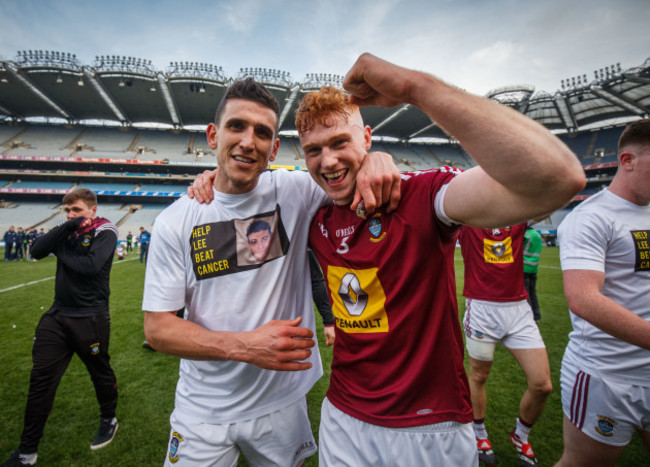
(84, 194)
(637, 132)
(258, 226)
(251, 90)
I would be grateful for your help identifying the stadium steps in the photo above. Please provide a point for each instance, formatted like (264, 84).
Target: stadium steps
(590, 148)
(190, 145)
(14, 137)
(433, 154)
(73, 144)
(295, 149)
(46, 220)
(132, 146)
(126, 216)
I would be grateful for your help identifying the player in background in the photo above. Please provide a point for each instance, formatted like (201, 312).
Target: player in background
(77, 322)
(605, 256)
(497, 311)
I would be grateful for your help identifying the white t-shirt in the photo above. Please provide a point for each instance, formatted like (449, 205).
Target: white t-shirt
(200, 258)
(606, 233)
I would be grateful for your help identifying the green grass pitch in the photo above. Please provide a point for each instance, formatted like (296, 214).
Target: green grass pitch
(147, 379)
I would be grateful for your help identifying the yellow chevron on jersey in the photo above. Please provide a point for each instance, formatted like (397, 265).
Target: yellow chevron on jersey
(358, 300)
(498, 251)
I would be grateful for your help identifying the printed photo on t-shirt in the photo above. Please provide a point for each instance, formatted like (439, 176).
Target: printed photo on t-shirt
(228, 247)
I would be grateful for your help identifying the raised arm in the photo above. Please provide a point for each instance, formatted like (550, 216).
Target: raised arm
(582, 292)
(276, 345)
(53, 239)
(524, 171)
(101, 249)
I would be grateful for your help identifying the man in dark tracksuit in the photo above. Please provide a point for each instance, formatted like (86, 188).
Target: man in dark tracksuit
(10, 239)
(77, 322)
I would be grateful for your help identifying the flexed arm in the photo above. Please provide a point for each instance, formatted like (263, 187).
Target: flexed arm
(524, 171)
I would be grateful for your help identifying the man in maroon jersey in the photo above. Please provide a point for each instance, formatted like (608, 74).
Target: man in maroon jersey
(497, 311)
(398, 390)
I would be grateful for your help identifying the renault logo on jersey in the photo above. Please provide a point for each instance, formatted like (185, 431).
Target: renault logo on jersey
(375, 227)
(358, 300)
(497, 251)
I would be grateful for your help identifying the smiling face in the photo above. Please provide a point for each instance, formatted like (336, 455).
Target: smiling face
(334, 150)
(245, 143)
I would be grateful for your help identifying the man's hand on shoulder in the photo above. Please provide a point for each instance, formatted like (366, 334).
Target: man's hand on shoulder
(201, 189)
(378, 183)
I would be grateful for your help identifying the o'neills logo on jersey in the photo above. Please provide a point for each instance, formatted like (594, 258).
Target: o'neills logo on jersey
(376, 229)
(323, 230)
(358, 300)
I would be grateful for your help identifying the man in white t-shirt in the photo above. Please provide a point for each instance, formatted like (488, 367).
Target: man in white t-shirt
(246, 345)
(605, 255)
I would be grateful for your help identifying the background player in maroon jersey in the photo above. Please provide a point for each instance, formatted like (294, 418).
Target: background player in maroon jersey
(497, 311)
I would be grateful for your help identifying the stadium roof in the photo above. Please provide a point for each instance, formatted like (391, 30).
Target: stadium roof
(128, 91)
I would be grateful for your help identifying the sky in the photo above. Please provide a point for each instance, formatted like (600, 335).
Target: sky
(476, 45)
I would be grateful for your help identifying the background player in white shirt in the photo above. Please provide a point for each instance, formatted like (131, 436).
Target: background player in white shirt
(605, 258)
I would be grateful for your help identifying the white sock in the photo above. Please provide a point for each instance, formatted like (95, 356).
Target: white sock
(479, 430)
(522, 430)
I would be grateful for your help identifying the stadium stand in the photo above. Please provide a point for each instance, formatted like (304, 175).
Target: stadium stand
(27, 214)
(41, 140)
(8, 133)
(105, 142)
(98, 186)
(142, 217)
(159, 145)
(28, 184)
(164, 188)
(40, 161)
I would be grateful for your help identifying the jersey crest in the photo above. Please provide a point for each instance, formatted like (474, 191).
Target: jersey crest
(376, 228)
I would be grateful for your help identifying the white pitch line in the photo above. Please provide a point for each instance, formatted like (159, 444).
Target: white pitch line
(26, 284)
(48, 278)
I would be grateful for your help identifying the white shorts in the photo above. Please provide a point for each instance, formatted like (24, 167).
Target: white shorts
(281, 438)
(347, 441)
(510, 323)
(605, 410)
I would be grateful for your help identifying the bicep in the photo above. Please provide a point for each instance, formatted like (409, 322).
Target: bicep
(476, 199)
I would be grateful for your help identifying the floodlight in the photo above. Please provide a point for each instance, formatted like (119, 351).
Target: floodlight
(80, 82)
(59, 79)
(121, 83)
(152, 88)
(202, 88)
